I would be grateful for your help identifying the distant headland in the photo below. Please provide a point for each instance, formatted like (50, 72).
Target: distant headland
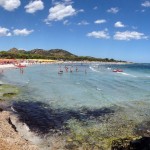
(53, 54)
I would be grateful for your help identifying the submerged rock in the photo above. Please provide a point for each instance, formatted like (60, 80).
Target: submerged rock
(140, 144)
(9, 94)
(11, 140)
(24, 130)
(130, 144)
(143, 129)
(1, 109)
(121, 144)
(8, 91)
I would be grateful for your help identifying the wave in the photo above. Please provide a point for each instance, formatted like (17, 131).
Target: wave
(127, 74)
(93, 69)
(98, 89)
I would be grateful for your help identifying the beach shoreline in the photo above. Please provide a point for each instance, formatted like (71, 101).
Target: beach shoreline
(43, 61)
(70, 139)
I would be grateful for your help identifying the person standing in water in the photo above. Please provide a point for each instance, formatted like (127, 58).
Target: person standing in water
(76, 69)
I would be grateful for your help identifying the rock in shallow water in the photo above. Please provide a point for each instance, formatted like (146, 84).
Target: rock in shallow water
(143, 129)
(9, 94)
(129, 144)
(121, 144)
(1, 109)
(24, 130)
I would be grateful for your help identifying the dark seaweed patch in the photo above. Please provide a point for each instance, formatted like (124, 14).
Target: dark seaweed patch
(42, 118)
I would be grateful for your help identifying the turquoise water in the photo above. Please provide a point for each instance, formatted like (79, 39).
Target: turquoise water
(97, 87)
(93, 86)
(111, 104)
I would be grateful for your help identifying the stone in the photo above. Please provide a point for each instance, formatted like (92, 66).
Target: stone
(143, 129)
(121, 144)
(1, 109)
(129, 144)
(9, 94)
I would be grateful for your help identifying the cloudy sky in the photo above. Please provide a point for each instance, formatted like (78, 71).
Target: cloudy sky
(117, 29)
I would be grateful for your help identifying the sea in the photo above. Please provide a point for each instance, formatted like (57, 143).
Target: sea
(90, 86)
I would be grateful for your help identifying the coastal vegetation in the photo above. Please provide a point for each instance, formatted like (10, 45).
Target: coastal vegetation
(54, 54)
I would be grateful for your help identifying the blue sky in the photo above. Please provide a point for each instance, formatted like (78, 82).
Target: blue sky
(118, 29)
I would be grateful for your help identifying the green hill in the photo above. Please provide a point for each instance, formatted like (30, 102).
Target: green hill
(55, 54)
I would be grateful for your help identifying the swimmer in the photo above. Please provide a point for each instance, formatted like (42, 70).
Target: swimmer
(76, 69)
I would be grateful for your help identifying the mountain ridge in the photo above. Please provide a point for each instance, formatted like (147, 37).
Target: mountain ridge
(55, 54)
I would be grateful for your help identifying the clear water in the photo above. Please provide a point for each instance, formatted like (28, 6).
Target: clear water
(96, 88)
(112, 104)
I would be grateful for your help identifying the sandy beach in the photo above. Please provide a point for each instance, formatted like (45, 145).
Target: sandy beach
(6, 66)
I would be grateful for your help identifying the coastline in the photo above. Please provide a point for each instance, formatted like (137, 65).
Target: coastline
(9, 138)
(45, 61)
(70, 140)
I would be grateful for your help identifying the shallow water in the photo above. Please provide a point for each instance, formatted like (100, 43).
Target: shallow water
(98, 87)
(91, 94)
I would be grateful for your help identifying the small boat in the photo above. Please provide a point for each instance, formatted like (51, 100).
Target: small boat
(115, 70)
(119, 70)
(20, 66)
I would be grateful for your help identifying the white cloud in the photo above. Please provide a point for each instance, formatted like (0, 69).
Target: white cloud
(146, 4)
(99, 34)
(10, 5)
(83, 22)
(60, 11)
(113, 10)
(34, 6)
(66, 2)
(119, 24)
(22, 32)
(129, 35)
(100, 21)
(4, 32)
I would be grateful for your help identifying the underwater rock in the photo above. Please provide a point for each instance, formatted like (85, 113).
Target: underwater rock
(9, 94)
(129, 144)
(140, 144)
(121, 144)
(143, 129)
(1, 109)
(24, 130)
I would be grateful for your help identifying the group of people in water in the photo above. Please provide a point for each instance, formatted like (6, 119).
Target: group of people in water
(69, 69)
(20, 69)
